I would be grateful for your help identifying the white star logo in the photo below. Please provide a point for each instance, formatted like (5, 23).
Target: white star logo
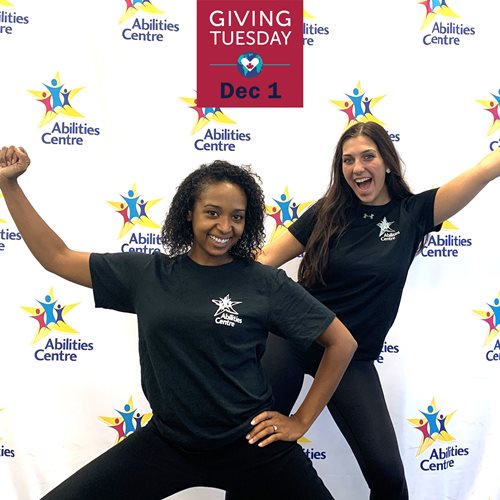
(225, 305)
(384, 226)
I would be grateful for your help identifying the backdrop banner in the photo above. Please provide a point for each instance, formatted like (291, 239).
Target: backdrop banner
(114, 102)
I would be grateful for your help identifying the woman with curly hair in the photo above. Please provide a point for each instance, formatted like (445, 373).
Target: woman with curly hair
(204, 310)
(358, 242)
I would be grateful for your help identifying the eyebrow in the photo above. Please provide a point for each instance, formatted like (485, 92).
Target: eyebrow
(211, 205)
(369, 150)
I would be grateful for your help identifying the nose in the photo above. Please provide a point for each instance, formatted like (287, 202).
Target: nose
(358, 165)
(224, 225)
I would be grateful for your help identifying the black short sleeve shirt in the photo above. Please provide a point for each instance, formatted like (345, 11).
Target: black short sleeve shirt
(368, 265)
(202, 332)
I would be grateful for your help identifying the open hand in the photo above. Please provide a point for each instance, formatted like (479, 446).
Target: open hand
(271, 426)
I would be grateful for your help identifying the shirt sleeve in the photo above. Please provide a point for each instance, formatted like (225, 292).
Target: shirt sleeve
(302, 228)
(295, 314)
(421, 209)
(115, 277)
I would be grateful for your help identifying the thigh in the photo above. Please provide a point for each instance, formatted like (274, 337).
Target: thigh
(143, 465)
(284, 372)
(280, 471)
(360, 411)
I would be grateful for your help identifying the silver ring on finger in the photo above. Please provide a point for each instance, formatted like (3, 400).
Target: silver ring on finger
(275, 427)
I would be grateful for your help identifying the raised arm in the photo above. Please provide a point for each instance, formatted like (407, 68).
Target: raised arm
(43, 242)
(281, 250)
(270, 426)
(457, 193)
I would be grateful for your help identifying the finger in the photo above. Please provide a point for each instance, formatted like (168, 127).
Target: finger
(265, 415)
(22, 154)
(269, 440)
(274, 436)
(8, 155)
(266, 433)
(11, 155)
(261, 431)
(2, 155)
(262, 426)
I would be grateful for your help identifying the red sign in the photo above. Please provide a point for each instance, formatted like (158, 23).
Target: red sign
(250, 53)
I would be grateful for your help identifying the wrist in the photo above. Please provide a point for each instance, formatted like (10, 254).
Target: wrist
(303, 423)
(7, 183)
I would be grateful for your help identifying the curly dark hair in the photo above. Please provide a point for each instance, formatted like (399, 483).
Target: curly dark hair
(177, 231)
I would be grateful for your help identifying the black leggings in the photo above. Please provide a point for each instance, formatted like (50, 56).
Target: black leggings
(358, 408)
(145, 466)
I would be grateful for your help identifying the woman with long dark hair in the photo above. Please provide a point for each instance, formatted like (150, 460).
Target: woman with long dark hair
(358, 242)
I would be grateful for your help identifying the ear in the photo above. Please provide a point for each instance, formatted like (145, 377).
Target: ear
(189, 216)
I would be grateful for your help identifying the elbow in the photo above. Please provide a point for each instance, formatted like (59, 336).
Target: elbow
(346, 345)
(55, 262)
(354, 345)
(50, 267)
(350, 344)
(50, 261)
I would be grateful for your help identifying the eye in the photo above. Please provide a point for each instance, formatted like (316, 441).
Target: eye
(347, 161)
(239, 217)
(212, 213)
(368, 157)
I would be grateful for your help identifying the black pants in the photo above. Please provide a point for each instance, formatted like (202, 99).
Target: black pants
(358, 408)
(145, 467)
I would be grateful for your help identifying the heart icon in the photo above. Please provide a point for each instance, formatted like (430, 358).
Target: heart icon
(250, 65)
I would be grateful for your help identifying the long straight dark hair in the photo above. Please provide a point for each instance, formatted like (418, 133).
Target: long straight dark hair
(334, 208)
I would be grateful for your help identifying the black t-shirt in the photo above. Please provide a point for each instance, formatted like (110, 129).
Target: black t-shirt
(368, 266)
(202, 332)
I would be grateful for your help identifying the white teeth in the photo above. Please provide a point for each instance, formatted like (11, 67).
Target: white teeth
(219, 240)
(363, 179)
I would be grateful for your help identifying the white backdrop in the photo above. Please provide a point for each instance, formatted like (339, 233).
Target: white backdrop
(129, 120)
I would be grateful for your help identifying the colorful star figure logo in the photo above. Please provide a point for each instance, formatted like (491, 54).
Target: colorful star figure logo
(57, 100)
(285, 212)
(358, 106)
(433, 426)
(434, 8)
(132, 7)
(491, 317)
(134, 210)
(50, 315)
(206, 115)
(491, 105)
(126, 421)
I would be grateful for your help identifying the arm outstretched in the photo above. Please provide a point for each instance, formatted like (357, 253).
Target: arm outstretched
(457, 193)
(47, 247)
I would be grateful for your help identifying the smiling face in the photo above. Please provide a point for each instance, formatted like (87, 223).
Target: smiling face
(218, 220)
(364, 170)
